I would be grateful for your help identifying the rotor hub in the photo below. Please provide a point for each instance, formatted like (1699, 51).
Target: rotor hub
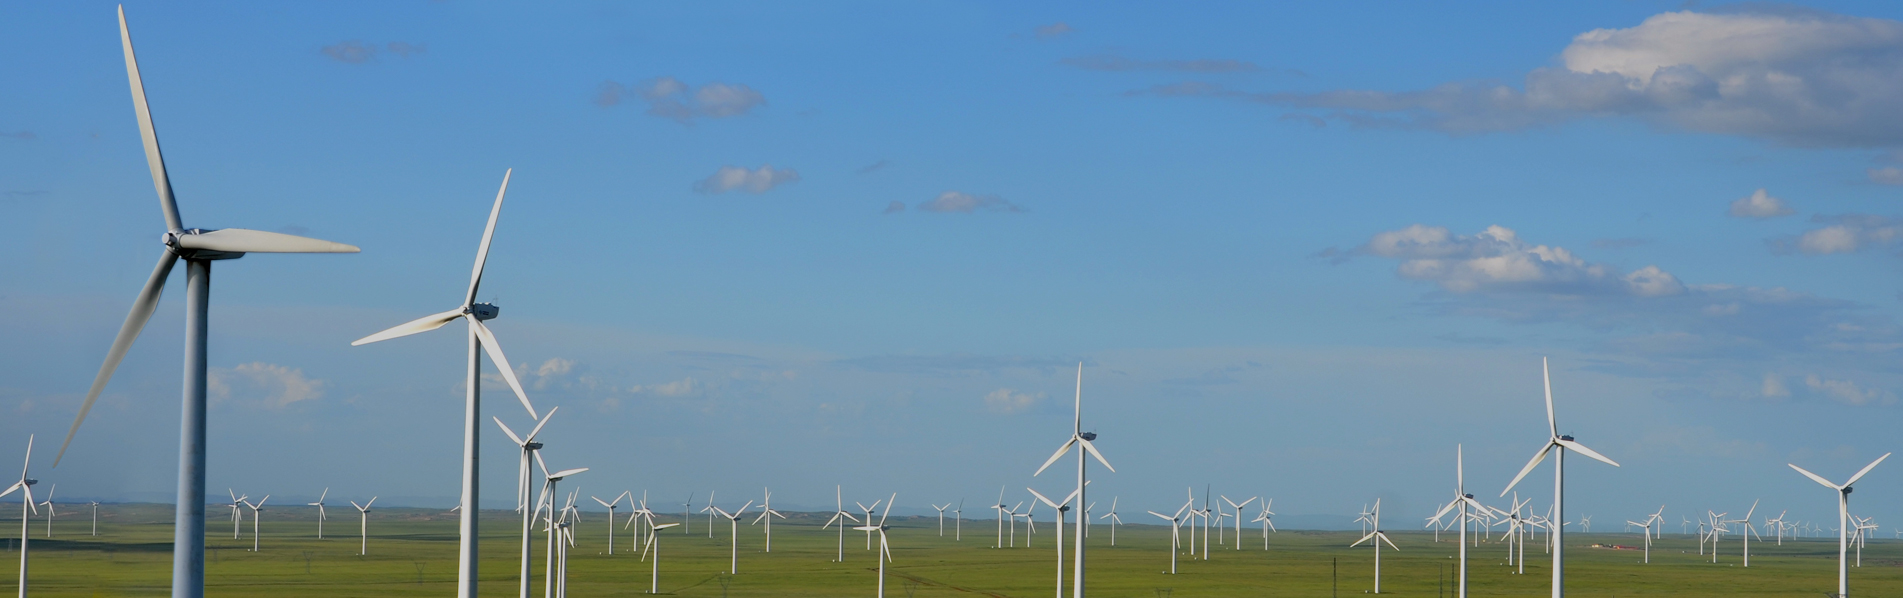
(1088, 435)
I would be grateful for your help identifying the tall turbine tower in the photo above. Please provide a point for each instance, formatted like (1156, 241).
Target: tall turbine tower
(199, 248)
(1078, 437)
(1555, 440)
(480, 341)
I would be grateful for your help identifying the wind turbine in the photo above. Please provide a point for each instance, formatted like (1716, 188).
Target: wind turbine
(767, 513)
(95, 506)
(709, 510)
(1745, 534)
(25, 486)
(199, 248)
(1238, 509)
(1462, 500)
(1176, 539)
(868, 512)
(636, 515)
(1563, 443)
(321, 516)
(48, 503)
(363, 525)
(941, 518)
(1843, 519)
(480, 341)
(1267, 525)
(733, 521)
(999, 508)
(549, 481)
(1061, 507)
(530, 449)
(611, 516)
(255, 510)
(1078, 437)
(687, 523)
(1114, 520)
(840, 516)
(885, 550)
(237, 513)
(958, 522)
(1378, 536)
(654, 542)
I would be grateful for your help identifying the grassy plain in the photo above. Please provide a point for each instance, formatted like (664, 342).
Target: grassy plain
(412, 553)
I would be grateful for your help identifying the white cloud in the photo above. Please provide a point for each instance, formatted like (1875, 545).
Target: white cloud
(760, 180)
(1848, 233)
(269, 384)
(965, 203)
(1111, 62)
(1847, 392)
(1887, 175)
(1774, 387)
(1005, 400)
(678, 388)
(1802, 78)
(1759, 205)
(673, 99)
(1496, 259)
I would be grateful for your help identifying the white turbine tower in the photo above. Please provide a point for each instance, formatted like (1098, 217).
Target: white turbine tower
(1374, 524)
(709, 510)
(1266, 517)
(1176, 538)
(767, 513)
(868, 511)
(237, 511)
(1061, 507)
(1745, 533)
(941, 517)
(48, 503)
(733, 542)
(999, 509)
(1563, 443)
(321, 516)
(1078, 437)
(611, 516)
(25, 486)
(1843, 519)
(654, 542)
(1462, 500)
(255, 510)
(95, 506)
(1238, 509)
(530, 450)
(1114, 520)
(885, 550)
(958, 522)
(363, 525)
(199, 248)
(840, 517)
(480, 341)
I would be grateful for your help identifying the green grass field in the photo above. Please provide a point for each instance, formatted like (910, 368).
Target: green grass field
(412, 552)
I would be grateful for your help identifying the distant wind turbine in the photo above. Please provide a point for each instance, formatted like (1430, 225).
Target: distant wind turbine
(1238, 509)
(1378, 536)
(885, 550)
(1079, 438)
(1114, 520)
(840, 517)
(767, 514)
(363, 525)
(25, 486)
(733, 522)
(1268, 525)
(256, 509)
(654, 543)
(1563, 443)
(530, 450)
(611, 516)
(1462, 500)
(321, 516)
(1176, 539)
(1061, 507)
(941, 517)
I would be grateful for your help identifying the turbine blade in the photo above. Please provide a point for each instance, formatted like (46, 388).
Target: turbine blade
(1041, 497)
(488, 234)
(1815, 477)
(1541, 456)
(506, 430)
(142, 308)
(1866, 469)
(1581, 449)
(1055, 456)
(1363, 539)
(1384, 538)
(494, 350)
(423, 324)
(1546, 376)
(567, 472)
(147, 133)
(1092, 448)
(256, 241)
(538, 430)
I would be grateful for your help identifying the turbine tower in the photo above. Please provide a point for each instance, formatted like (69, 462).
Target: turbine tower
(1843, 519)
(767, 513)
(1374, 533)
(480, 341)
(1563, 443)
(1462, 500)
(25, 486)
(363, 525)
(199, 248)
(1078, 437)
(321, 516)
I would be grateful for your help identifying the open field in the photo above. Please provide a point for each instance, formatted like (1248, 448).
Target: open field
(412, 553)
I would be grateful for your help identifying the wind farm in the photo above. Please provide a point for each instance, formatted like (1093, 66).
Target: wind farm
(1298, 252)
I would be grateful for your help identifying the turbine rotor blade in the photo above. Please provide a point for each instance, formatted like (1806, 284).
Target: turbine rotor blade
(1092, 449)
(494, 350)
(1581, 449)
(1546, 376)
(241, 240)
(1537, 458)
(1055, 456)
(488, 234)
(1815, 477)
(142, 308)
(147, 133)
(423, 324)
(1866, 469)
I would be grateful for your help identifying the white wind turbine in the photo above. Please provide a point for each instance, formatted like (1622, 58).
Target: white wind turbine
(1563, 443)
(687, 522)
(654, 542)
(1265, 516)
(255, 510)
(636, 515)
(25, 486)
(1176, 538)
(1745, 533)
(549, 481)
(1462, 500)
(1778, 522)
(868, 511)
(1238, 508)
(611, 516)
(1843, 519)
(48, 503)
(941, 518)
(885, 551)
(199, 248)
(237, 511)
(709, 510)
(1030, 525)
(767, 513)
(958, 522)
(999, 508)
(1114, 520)
(480, 341)
(733, 543)
(1078, 437)
(1374, 524)
(321, 516)
(530, 449)
(95, 506)
(1061, 507)
(840, 517)
(363, 525)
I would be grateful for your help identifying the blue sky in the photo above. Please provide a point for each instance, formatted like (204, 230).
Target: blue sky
(1302, 251)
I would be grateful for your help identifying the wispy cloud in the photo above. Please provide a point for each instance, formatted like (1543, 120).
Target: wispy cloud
(357, 52)
(1845, 233)
(893, 208)
(1054, 30)
(965, 203)
(957, 363)
(1496, 259)
(1006, 400)
(675, 100)
(756, 181)
(1111, 62)
(271, 385)
(1759, 205)
(873, 167)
